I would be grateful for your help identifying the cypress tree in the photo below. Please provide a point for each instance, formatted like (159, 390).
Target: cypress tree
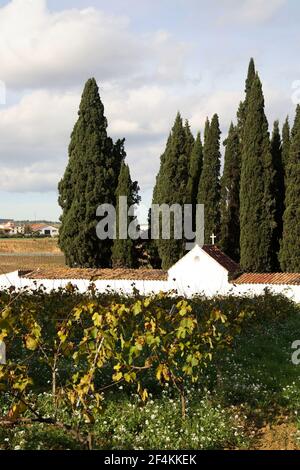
(123, 254)
(290, 247)
(195, 169)
(278, 191)
(89, 180)
(230, 196)
(243, 108)
(189, 139)
(209, 185)
(257, 204)
(170, 188)
(151, 248)
(157, 191)
(286, 141)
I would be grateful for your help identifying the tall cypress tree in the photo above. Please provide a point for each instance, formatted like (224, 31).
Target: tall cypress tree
(189, 139)
(257, 204)
(230, 196)
(286, 142)
(278, 191)
(209, 185)
(243, 108)
(195, 169)
(290, 247)
(89, 180)
(123, 254)
(170, 188)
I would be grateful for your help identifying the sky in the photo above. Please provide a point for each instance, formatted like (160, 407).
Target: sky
(150, 59)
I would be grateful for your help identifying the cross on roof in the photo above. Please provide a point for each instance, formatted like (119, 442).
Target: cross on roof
(213, 238)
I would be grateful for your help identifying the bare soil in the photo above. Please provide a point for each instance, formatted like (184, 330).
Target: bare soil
(279, 434)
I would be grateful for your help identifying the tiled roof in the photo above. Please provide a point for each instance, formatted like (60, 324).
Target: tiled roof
(268, 278)
(214, 252)
(36, 227)
(98, 274)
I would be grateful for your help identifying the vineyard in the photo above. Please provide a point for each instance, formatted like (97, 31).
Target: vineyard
(109, 372)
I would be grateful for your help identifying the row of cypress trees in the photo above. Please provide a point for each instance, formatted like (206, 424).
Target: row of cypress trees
(96, 174)
(254, 208)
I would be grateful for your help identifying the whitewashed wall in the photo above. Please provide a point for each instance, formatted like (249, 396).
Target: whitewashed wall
(186, 279)
(292, 292)
(10, 279)
(127, 287)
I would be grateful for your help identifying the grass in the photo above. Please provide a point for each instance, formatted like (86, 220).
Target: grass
(258, 376)
(125, 424)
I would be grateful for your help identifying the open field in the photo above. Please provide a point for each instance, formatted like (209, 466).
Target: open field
(29, 245)
(29, 254)
(9, 263)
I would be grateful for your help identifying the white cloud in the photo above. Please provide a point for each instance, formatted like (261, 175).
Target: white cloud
(251, 11)
(37, 127)
(40, 48)
(35, 178)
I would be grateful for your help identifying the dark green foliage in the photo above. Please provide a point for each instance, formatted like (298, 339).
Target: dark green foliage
(243, 108)
(209, 186)
(278, 191)
(286, 142)
(195, 169)
(150, 247)
(230, 196)
(290, 248)
(171, 185)
(119, 154)
(123, 249)
(90, 179)
(190, 141)
(257, 204)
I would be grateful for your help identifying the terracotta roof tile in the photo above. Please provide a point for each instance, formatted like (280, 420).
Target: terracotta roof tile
(268, 278)
(221, 258)
(97, 274)
(36, 227)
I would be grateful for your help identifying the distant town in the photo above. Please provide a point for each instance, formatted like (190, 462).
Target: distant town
(12, 228)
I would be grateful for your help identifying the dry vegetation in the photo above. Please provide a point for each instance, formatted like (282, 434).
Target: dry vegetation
(29, 254)
(9, 263)
(29, 245)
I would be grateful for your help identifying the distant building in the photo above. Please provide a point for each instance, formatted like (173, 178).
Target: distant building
(18, 230)
(43, 229)
(7, 227)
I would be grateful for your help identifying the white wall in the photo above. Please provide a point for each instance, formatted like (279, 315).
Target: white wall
(127, 287)
(195, 273)
(292, 292)
(9, 280)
